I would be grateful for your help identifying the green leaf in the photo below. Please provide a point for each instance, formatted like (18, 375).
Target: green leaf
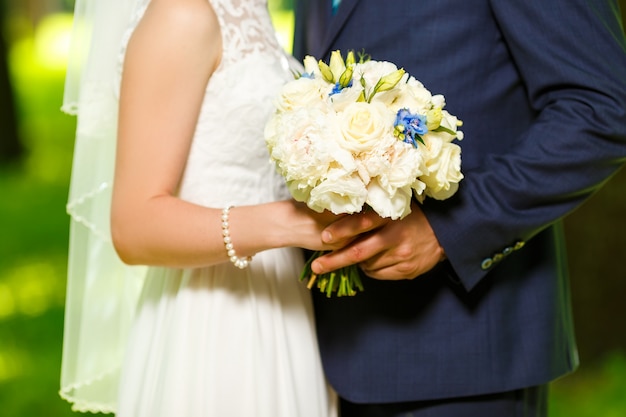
(445, 129)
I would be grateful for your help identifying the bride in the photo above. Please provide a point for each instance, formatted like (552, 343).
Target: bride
(217, 324)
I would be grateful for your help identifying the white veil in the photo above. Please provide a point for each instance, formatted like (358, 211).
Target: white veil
(101, 291)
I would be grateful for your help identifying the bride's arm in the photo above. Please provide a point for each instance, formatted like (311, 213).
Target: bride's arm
(169, 60)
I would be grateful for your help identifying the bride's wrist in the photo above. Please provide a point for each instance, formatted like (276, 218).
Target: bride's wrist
(289, 224)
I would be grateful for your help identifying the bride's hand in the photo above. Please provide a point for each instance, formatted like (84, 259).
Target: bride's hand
(307, 226)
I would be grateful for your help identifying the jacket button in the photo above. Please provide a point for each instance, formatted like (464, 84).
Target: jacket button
(486, 264)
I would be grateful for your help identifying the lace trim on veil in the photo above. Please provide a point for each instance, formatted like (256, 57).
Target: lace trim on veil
(101, 291)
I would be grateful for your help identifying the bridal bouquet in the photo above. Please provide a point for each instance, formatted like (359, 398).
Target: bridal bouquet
(353, 135)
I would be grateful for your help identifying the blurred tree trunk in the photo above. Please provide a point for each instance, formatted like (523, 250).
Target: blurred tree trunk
(11, 148)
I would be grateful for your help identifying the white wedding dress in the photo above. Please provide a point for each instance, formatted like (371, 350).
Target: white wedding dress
(219, 341)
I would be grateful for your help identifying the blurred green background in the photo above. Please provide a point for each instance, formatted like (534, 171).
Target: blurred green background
(36, 142)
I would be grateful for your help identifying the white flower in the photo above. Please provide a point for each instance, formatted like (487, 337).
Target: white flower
(413, 96)
(419, 188)
(373, 164)
(406, 165)
(395, 163)
(341, 192)
(438, 100)
(346, 97)
(452, 123)
(444, 169)
(394, 205)
(303, 92)
(362, 125)
(311, 66)
(302, 145)
(372, 72)
(299, 191)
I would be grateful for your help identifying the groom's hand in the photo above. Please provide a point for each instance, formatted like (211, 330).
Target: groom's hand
(383, 248)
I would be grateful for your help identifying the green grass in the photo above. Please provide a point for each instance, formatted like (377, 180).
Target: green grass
(33, 245)
(593, 391)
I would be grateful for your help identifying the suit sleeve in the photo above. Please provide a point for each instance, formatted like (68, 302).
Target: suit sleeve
(571, 59)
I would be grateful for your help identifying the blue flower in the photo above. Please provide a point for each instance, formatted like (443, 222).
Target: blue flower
(338, 87)
(308, 75)
(410, 127)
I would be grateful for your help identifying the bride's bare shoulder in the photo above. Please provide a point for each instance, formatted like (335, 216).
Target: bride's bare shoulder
(183, 28)
(194, 19)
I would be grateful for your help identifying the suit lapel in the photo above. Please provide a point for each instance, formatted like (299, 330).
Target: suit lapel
(334, 26)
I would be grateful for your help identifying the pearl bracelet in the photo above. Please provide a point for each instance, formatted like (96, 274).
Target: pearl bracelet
(240, 263)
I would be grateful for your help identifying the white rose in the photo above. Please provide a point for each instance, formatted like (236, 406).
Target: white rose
(341, 192)
(444, 170)
(303, 92)
(413, 96)
(451, 122)
(395, 205)
(433, 142)
(362, 126)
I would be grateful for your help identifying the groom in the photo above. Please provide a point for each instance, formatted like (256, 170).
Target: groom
(468, 309)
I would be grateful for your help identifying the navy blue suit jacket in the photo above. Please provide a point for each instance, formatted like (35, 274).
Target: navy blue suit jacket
(541, 88)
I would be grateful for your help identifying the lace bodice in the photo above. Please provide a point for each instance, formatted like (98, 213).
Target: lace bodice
(246, 29)
(228, 161)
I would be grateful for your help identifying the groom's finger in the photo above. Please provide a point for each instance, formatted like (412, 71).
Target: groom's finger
(356, 252)
(351, 226)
